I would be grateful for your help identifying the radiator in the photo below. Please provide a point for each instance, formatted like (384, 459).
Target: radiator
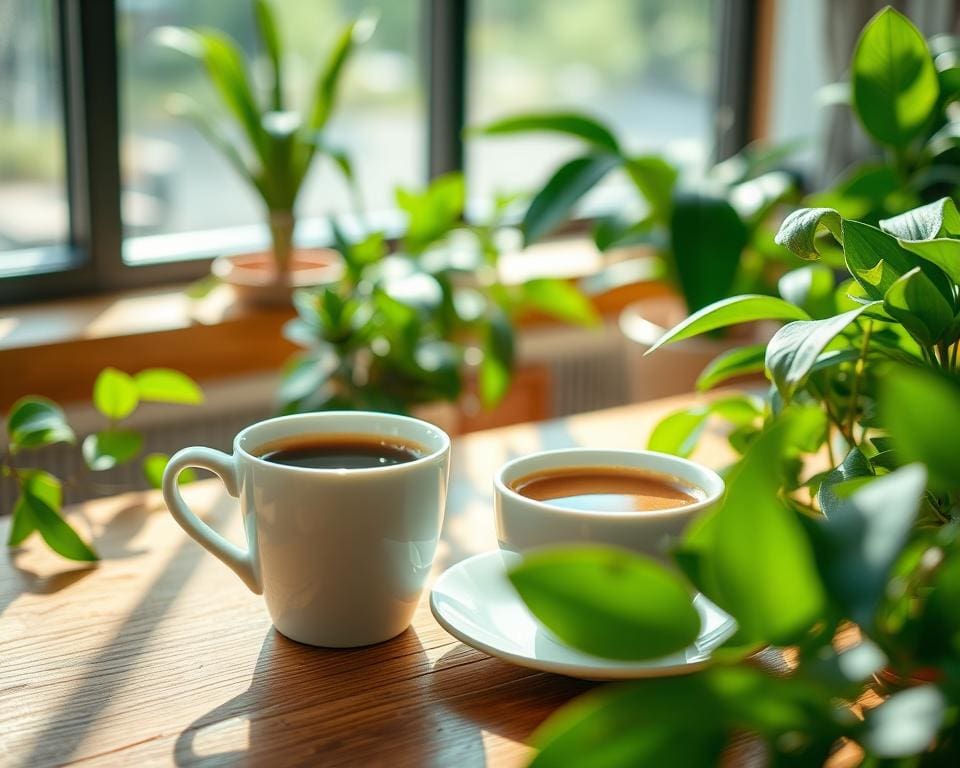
(587, 372)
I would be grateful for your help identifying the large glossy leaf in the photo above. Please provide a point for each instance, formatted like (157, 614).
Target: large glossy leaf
(894, 81)
(795, 348)
(574, 124)
(707, 237)
(165, 385)
(608, 602)
(864, 534)
(921, 409)
(920, 308)
(115, 394)
(926, 222)
(641, 724)
(552, 204)
(942, 252)
(738, 309)
(560, 299)
(800, 229)
(36, 421)
(740, 361)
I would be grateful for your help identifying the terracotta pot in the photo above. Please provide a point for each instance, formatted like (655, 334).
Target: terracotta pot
(255, 280)
(673, 369)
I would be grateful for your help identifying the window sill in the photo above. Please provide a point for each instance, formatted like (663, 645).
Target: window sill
(57, 348)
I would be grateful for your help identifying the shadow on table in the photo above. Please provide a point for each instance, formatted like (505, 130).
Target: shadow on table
(498, 697)
(305, 705)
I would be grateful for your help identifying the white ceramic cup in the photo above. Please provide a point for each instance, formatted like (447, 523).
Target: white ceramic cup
(341, 555)
(524, 524)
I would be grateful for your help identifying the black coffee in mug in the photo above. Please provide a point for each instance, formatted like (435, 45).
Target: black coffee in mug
(341, 451)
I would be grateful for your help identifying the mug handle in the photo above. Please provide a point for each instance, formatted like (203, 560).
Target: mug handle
(222, 464)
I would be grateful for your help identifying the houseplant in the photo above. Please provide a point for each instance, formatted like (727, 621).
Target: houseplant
(270, 145)
(35, 422)
(706, 241)
(409, 327)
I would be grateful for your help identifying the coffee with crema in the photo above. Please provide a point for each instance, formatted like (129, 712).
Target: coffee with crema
(607, 489)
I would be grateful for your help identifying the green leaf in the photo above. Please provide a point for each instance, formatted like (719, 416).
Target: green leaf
(810, 287)
(876, 260)
(739, 361)
(645, 723)
(751, 554)
(155, 463)
(40, 501)
(271, 44)
(325, 90)
(431, 214)
(569, 123)
(738, 309)
(895, 85)
(795, 348)
(936, 219)
(679, 432)
(656, 179)
(921, 409)
(559, 299)
(799, 230)
(942, 252)
(608, 602)
(708, 237)
(36, 421)
(855, 465)
(906, 723)
(165, 385)
(867, 189)
(551, 206)
(920, 308)
(863, 536)
(115, 394)
(496, 367)
(38, 485)
(106, 449)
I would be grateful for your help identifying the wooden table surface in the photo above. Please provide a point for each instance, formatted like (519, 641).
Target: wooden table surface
(159, 654)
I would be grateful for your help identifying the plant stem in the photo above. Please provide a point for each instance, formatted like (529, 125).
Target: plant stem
(858, 369)
(281, 235)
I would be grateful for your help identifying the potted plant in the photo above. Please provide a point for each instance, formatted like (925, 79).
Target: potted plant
(420, 324)
(706, 242)
(271, 146)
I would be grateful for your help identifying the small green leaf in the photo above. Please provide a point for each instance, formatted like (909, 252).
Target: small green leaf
(165, 385)
(39, 485)
(552, 204)
(569, 123)
(855, 465)
(905, 724)
(155, 463)
(40, 501)
(115, 394)
(106, 449)
(739, 361)
(559, 299)
(795, 348)
(608, 602)
(799, 230)
(36, 421)
(656, 180)
(708, 238)
(732, 311)
(919, 306)
(895, 85)
(679, 432)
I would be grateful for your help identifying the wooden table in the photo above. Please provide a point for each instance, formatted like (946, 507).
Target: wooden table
(159, 654)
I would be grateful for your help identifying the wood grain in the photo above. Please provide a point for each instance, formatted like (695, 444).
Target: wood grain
(160, 655)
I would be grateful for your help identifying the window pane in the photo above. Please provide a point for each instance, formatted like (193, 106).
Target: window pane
(644, 66)
(175, 182)
(33, 196)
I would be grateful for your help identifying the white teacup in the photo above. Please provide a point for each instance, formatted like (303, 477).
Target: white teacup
(341, 555)
(524, 524)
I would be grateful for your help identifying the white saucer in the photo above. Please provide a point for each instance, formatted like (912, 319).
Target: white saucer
(475, 602)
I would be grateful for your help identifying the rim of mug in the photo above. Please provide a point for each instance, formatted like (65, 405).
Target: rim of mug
(501, 486)
(425, 459)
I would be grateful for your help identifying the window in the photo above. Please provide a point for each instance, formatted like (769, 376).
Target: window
(33, 189)
(102, 188)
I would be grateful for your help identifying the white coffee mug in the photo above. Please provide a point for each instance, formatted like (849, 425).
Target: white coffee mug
(524, 524)
(341, 555)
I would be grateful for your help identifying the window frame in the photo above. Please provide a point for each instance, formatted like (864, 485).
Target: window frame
(87, 33)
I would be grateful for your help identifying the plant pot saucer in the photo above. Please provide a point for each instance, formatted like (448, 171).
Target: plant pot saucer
(255, 280)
